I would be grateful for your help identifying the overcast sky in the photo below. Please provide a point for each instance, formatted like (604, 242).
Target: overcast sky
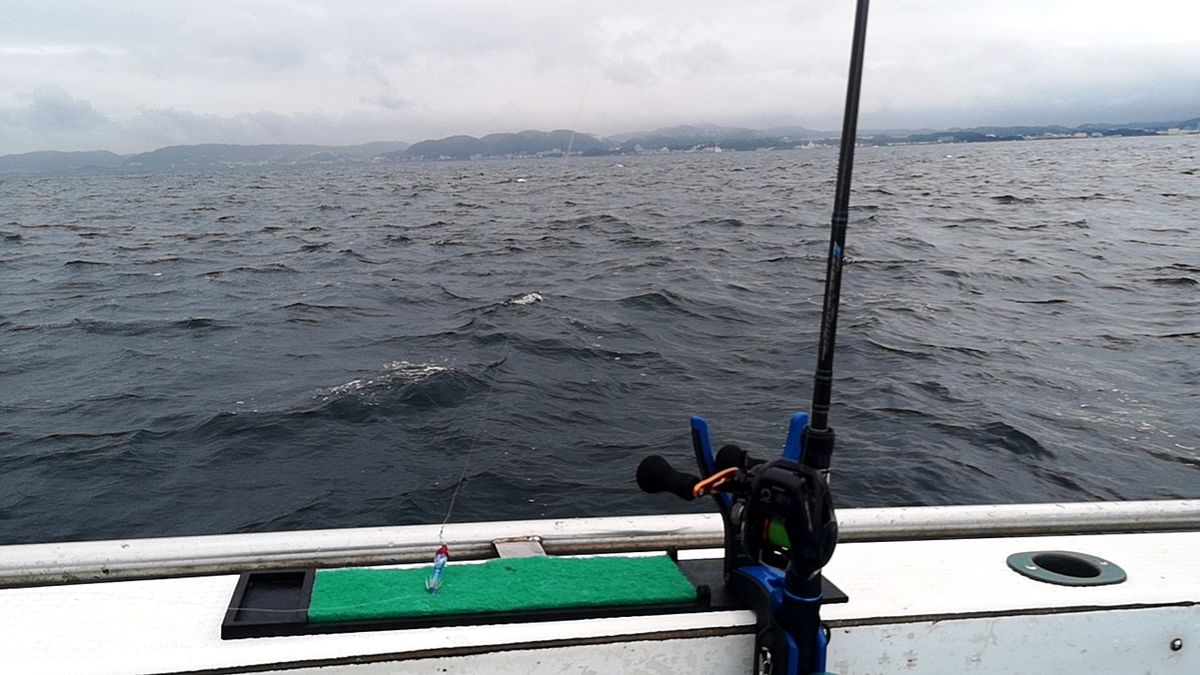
(131, 76)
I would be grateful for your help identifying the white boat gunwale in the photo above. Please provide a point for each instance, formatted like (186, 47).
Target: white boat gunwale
(125, 559)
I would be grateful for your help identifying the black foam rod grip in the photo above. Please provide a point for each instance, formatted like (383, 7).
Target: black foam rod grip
(655, 474)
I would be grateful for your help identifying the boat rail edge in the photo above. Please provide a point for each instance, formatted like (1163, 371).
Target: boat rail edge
(92, 561)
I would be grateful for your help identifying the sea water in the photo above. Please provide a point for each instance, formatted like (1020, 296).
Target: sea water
(278, 348)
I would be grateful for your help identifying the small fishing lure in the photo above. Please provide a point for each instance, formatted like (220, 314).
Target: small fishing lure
(434, 582)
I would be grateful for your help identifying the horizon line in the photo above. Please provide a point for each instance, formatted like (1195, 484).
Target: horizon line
(828, 135)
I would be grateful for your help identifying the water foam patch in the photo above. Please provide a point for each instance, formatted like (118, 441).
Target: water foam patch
(527, 299)
(394, 374)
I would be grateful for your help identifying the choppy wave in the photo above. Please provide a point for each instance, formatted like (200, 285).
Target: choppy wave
(396, 373)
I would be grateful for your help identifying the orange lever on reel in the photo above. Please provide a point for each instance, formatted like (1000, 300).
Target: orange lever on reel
(711, 483)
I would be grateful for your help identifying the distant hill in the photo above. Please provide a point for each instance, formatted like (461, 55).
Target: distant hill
(657, 143)
(522, 144)
(1192, 124)
(219, 154)
(693, 132)
(51, 161)
(692, 135)
(1017, 131)
(798, 133)
(451, 147)
(702, 137)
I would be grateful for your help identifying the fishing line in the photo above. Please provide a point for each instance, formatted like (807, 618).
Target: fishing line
(462, 478)
(587, 85)
(489, 388)
(487, 396)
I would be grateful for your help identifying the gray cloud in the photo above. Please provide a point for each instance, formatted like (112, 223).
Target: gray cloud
(630, 72)
(389, 101)
(705, 58)
(53, 119)
(131, 75)
(50, 118)
(176, 127)
(52, 110)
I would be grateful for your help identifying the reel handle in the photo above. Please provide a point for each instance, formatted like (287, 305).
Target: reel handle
(655, 474)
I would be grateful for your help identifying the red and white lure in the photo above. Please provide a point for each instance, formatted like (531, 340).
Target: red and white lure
(434, 582)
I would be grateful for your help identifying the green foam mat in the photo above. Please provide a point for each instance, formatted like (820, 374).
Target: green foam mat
(502, 585)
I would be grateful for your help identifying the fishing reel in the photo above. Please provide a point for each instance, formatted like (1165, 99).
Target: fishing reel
(780, 512)
(780, 531)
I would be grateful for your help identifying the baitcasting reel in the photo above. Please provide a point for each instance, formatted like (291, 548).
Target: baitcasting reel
(780, 531)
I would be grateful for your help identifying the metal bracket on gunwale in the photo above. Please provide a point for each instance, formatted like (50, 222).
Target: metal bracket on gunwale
(519, 547)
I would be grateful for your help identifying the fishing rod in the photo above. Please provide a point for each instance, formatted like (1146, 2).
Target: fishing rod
(779, 522)
(818, 436)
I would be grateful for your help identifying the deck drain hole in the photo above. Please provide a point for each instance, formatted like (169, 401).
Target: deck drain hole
(1067, 565)
(1066, 568)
